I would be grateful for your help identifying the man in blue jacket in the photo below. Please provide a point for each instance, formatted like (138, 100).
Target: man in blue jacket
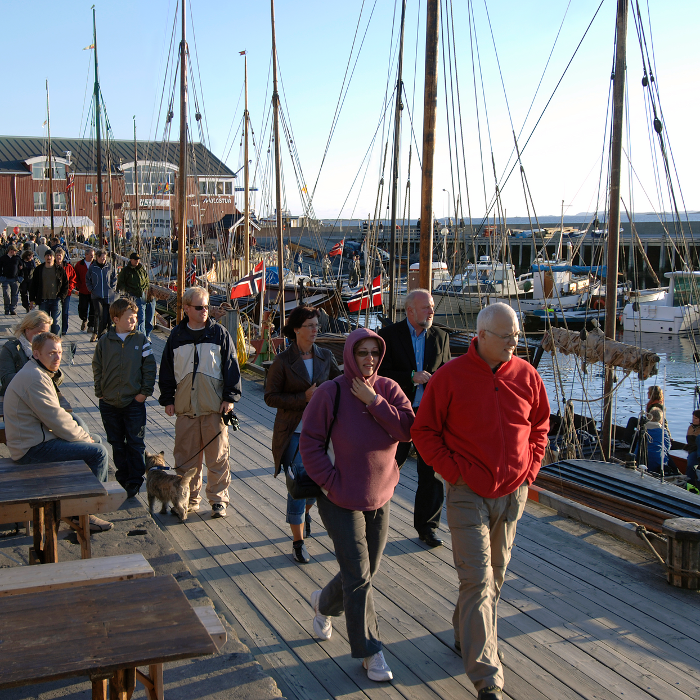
(101, 280)
(199, 382)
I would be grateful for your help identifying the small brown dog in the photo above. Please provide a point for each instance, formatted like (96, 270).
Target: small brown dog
(167, 488)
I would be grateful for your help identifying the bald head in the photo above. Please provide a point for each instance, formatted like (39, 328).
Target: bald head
(495, 313)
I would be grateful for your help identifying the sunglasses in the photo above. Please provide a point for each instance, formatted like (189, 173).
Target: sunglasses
(363, 353)
(199, 308)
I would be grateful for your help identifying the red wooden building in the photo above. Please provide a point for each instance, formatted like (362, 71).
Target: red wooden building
(24, 185)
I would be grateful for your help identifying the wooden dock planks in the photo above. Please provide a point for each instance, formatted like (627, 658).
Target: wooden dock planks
(582, 615)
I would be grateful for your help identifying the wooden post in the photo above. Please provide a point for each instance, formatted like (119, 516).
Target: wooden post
(98, 149)
(278, 177)
(614, 216)
(52, 520)
(121, 684)
(137, 233)
(48, 128)
(395, 174)
(246, 181)
(38, 517)
(683, 552)
(182, 174)
(432, 34)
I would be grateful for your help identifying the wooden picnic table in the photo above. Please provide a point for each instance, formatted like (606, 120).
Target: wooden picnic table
(44, 486)
(102, 631)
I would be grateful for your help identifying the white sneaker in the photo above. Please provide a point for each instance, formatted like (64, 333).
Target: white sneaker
(377, 669)
(323, 627)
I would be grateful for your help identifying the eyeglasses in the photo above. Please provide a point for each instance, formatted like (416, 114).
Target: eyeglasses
(199, 308)
(313, 326)
(507, 338)
(363, 353)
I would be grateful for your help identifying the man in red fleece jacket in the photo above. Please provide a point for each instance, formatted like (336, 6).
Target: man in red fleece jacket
(483, 425)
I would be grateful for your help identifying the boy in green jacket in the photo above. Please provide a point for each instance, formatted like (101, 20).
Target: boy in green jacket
(124, 369)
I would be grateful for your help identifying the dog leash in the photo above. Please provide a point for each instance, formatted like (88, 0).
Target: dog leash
(200, 450)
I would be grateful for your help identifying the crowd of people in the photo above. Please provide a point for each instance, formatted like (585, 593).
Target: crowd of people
(342, 434)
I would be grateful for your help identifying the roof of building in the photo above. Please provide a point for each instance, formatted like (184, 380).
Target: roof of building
(15, 150)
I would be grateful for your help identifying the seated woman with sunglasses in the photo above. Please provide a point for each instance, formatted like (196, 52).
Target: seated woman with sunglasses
(358, 474)
(291, 382)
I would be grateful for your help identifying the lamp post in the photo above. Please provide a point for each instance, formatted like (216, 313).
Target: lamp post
(449, 197)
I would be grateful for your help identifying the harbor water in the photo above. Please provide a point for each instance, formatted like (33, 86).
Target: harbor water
(677, 376)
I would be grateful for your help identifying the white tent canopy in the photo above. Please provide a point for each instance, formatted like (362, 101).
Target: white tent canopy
(39, 222)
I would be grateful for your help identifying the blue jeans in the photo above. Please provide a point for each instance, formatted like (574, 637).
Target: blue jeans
(126, 430)
(690, 468)
(10, 299)
(53, 309)
(291, 459)
(140, 303)
(94, 454)
(102, 320)
(149, 316)
(65, 309)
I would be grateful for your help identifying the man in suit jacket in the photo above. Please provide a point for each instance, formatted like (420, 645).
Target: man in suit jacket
(414, 351)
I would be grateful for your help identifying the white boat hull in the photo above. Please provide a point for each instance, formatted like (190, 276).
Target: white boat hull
(656, 318)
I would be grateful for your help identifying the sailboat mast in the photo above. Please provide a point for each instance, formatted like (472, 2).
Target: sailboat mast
(432, 34)
(48, 127)
(137, 233)
(246, 182)
(182, 180)
(614, 213)
(98, 145)
(278, 178)
(395, 174)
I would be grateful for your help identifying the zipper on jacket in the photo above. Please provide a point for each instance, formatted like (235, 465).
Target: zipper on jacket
(500, 420)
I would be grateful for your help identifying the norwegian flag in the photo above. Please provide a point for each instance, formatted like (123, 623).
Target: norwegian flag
(363, 299)
(337, 249)
(192, 272)
(251, 284)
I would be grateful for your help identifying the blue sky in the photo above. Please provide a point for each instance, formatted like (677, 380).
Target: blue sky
(562, 160)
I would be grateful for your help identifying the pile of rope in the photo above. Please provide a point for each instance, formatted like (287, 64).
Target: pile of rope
(593, 346)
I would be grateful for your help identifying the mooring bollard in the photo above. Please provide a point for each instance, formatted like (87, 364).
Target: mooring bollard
(683, 552)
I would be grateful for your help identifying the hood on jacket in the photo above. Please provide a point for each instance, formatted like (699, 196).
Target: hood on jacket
(350, 368)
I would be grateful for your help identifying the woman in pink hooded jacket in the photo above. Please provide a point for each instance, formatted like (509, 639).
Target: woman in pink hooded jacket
(358, 475)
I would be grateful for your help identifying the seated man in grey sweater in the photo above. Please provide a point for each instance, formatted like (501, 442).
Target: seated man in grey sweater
(38, 429)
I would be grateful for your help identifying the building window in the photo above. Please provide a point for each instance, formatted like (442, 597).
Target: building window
(59, 201)
(40, 201)
(88, 187)
(155, 178)
(40, 171)
(216, 187)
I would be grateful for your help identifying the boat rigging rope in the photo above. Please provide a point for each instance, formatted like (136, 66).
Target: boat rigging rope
(343, 88)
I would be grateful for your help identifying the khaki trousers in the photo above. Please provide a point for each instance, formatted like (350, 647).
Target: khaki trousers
(483, 530)
(191, 434)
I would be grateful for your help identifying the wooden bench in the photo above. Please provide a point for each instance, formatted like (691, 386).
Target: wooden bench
(81, 508)
(32, 579)
(24, 579)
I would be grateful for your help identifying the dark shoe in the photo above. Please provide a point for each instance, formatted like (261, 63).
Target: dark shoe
(132, 491)
(493, 692)
(431, 539)
(13, 313)
(307, 531)
(458, 647)
(300, 554)
(218, 510)
(83, 326)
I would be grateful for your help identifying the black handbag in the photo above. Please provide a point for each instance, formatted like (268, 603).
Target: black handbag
(300, 484)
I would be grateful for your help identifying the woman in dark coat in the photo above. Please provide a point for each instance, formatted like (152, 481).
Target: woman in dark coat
(291, 382)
